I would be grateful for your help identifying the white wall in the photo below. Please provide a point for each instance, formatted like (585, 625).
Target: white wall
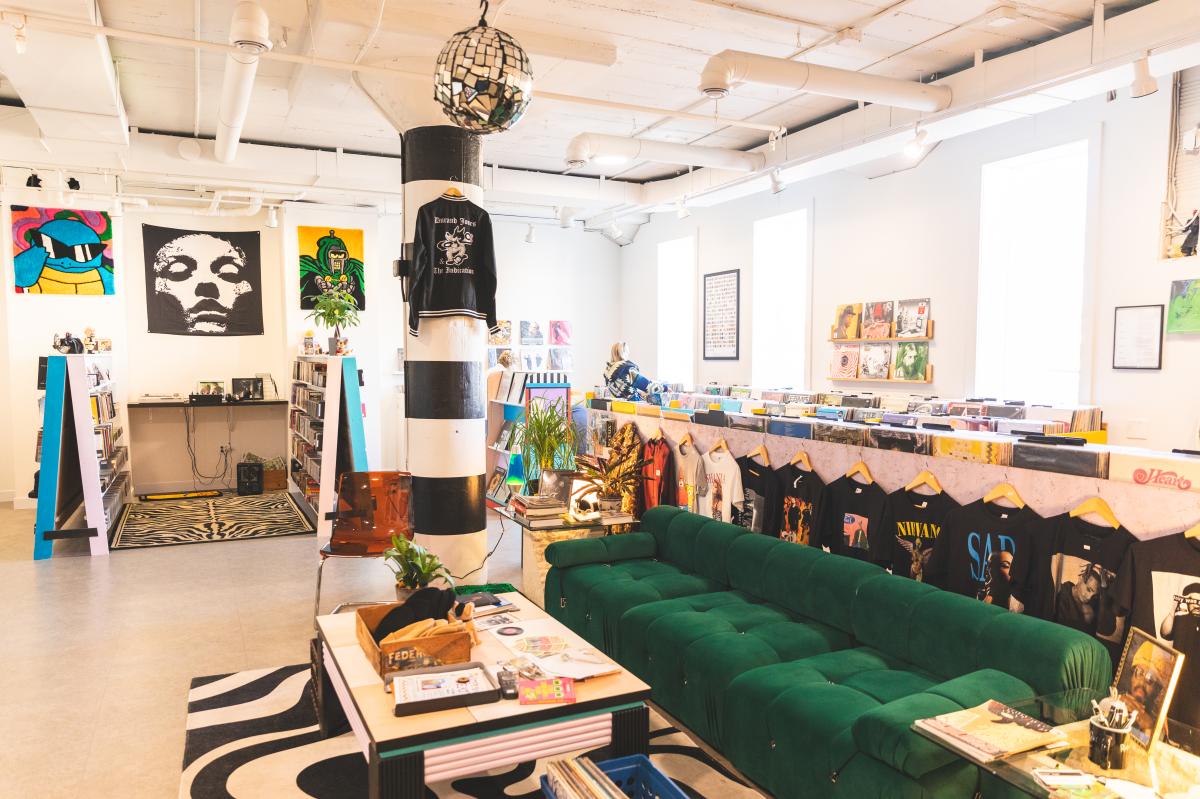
(916, 234)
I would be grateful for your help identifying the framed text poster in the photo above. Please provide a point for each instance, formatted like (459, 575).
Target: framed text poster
(722, 314)
(1137, 337)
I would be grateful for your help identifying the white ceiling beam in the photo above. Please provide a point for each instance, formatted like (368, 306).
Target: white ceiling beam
(771, 15)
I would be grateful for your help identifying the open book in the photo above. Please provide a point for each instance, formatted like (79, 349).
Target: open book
(990, 731)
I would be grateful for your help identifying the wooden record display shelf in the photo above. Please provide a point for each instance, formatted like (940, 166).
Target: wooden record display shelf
(928, 378)
(929, 337)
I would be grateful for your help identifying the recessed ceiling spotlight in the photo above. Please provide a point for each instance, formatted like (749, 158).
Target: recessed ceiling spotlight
(777, 184)
(1144, 83)
(916, 146)
(33, 181)
(530, 235)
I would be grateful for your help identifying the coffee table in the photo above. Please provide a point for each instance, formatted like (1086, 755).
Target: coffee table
(404, 753)
(1164, 770)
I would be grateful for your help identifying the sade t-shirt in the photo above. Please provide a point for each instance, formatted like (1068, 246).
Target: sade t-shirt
(760, 507)
(909, 531)
(724, 480)
(850, 511)
(800, 491)
(1158, 585)
(1075, 574)
(984, 551)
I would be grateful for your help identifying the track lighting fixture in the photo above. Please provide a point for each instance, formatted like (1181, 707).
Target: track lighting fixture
(19, 41)
(681, 209)
(73, 184)
(613, 230)
(272, 217)
(530, 236)
(1144, 83)
(777, 184)
(916, 146)
(565, 216)
(33, 181)
(118, 208)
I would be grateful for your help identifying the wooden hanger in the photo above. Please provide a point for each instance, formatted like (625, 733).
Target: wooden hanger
(1004, 491)
(801, 457)
(1097, 506)
(762, 452)
(1194, 532)
(925, 478)
(719, 445)
(657, 434)
(687, 439)
(861, 468)
(452, 191)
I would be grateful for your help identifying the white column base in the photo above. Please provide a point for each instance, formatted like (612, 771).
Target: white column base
(460, 554)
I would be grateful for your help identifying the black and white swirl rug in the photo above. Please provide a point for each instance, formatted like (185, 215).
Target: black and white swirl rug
(194, 521)
(254, 734)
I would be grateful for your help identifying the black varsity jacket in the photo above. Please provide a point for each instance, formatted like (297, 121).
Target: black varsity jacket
(454, 263)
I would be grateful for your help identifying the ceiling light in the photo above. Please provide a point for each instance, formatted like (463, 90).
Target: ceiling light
(73, 184)
(565, 217)
(272, 217)
(33, 181)
(19, 40)
(530, 236)
(681, 209)
(1143, 82)
(916, 146)
(777, 184)
(1002, 17)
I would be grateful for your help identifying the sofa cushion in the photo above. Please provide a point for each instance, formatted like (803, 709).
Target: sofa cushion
(581, 584)
(712, 546)
(786, 576)
(979, 686)
(1065, 658)
(884, 610)
(945, 632)
(656, 520)
(677, 542)
(747, 561)
(888, 685)
(606, 606)
(863, 775)
(634, 624)
(607, 549)
(831, 587)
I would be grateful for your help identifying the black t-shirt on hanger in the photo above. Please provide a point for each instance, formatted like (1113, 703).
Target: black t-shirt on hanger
(801, 493)
(1075, 574)
(849, 512)
(909, 530)
(759, 510)
(984, 551)
(1158, 585)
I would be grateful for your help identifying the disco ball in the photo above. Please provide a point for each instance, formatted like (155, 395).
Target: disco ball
(483, 80)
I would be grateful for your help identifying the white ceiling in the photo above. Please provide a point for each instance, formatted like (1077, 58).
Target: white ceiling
(660, 47)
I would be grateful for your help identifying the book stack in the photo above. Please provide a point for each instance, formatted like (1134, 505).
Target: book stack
(580, 778)
(537, 512)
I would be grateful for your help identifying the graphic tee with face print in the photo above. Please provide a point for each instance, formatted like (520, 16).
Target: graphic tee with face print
(724, 485)
(850, 512)
(984, 551)
(761, 501)
(691, 479)
(800, 492)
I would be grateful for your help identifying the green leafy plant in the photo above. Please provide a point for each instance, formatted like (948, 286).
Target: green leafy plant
(609, 477)
(414, 566)
(547, 436)
(334, 309)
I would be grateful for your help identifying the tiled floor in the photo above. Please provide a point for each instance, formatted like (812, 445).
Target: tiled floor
(97, 653)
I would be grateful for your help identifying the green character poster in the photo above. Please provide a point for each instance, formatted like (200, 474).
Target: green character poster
(330, 257)
(1183, 314)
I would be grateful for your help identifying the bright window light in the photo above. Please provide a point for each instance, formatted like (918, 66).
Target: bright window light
(1033, 219)
(779, 334)
(677, 312)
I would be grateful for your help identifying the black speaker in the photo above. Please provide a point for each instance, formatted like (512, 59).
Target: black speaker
(250, 478)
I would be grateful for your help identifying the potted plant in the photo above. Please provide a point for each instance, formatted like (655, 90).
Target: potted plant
(547, 437)
(414, 566)
(335, 309)
(610, 478)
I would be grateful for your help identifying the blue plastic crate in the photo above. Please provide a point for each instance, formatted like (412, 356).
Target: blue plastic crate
(637, 778)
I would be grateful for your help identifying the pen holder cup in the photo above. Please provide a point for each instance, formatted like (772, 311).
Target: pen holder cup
(1106, 746)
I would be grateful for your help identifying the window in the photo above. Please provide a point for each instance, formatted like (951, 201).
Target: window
(779, 318)
(677, 311)
(1033, 217)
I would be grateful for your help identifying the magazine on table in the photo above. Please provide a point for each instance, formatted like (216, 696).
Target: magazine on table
(541, 641)
(990, 731)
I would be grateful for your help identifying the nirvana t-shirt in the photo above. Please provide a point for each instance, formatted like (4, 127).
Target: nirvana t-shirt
(849, 512)
(909, 530)
(1158, 585)
(800, 491)
(724, 485)
(984, 551)
(759, 511)
(1075, 576)
(658, 475)
(690, 480)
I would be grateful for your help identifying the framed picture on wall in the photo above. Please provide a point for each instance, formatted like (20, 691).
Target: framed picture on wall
(1137, 336)
(722, 315)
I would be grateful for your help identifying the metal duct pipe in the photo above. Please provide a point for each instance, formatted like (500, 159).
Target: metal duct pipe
(736, 66)
(603, 148)
(250, 34)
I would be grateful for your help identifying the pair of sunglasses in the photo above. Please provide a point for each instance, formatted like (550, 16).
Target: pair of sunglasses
(82, 253)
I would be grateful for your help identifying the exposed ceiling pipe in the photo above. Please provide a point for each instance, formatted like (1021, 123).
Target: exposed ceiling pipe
(602, 148)
(736, 66)
(250, 34)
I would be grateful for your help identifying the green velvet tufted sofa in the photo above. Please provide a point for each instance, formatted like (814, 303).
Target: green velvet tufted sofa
(806, 669)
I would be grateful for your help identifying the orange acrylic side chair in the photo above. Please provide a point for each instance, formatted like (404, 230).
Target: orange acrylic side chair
(370, 508)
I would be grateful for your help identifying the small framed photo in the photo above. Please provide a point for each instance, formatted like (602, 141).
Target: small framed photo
(211, 388)
(556, 483)
(104, 345)
(1146, 678)
(247, 388)
(1137, 336)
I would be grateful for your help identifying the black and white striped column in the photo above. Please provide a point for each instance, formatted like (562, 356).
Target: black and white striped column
(444, 387)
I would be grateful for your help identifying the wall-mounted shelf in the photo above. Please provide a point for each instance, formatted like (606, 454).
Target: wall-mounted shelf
(929, 337)
(928, 378)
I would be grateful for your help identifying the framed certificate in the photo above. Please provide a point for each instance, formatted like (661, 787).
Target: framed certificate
(722, 315)
(1137, 336)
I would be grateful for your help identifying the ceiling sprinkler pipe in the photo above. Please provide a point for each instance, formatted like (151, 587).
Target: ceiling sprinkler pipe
(250, 34)
(736, 66)
(602, 148)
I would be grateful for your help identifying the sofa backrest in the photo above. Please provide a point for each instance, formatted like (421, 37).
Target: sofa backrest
(677, 544)
(945, 632)
(747, 561)
(885, 609)
(1050, 657)
(786, 577)
(656, 520)
(712, 549)
(828, 594)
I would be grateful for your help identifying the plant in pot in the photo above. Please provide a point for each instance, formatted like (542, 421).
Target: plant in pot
(547, 437)
(610, 478)
(415, 567)
(335, 309)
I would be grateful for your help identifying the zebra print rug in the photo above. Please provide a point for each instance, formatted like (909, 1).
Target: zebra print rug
(255, 733)
(193, 521)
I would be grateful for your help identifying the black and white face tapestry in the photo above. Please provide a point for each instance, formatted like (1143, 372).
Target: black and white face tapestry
(203, 283)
